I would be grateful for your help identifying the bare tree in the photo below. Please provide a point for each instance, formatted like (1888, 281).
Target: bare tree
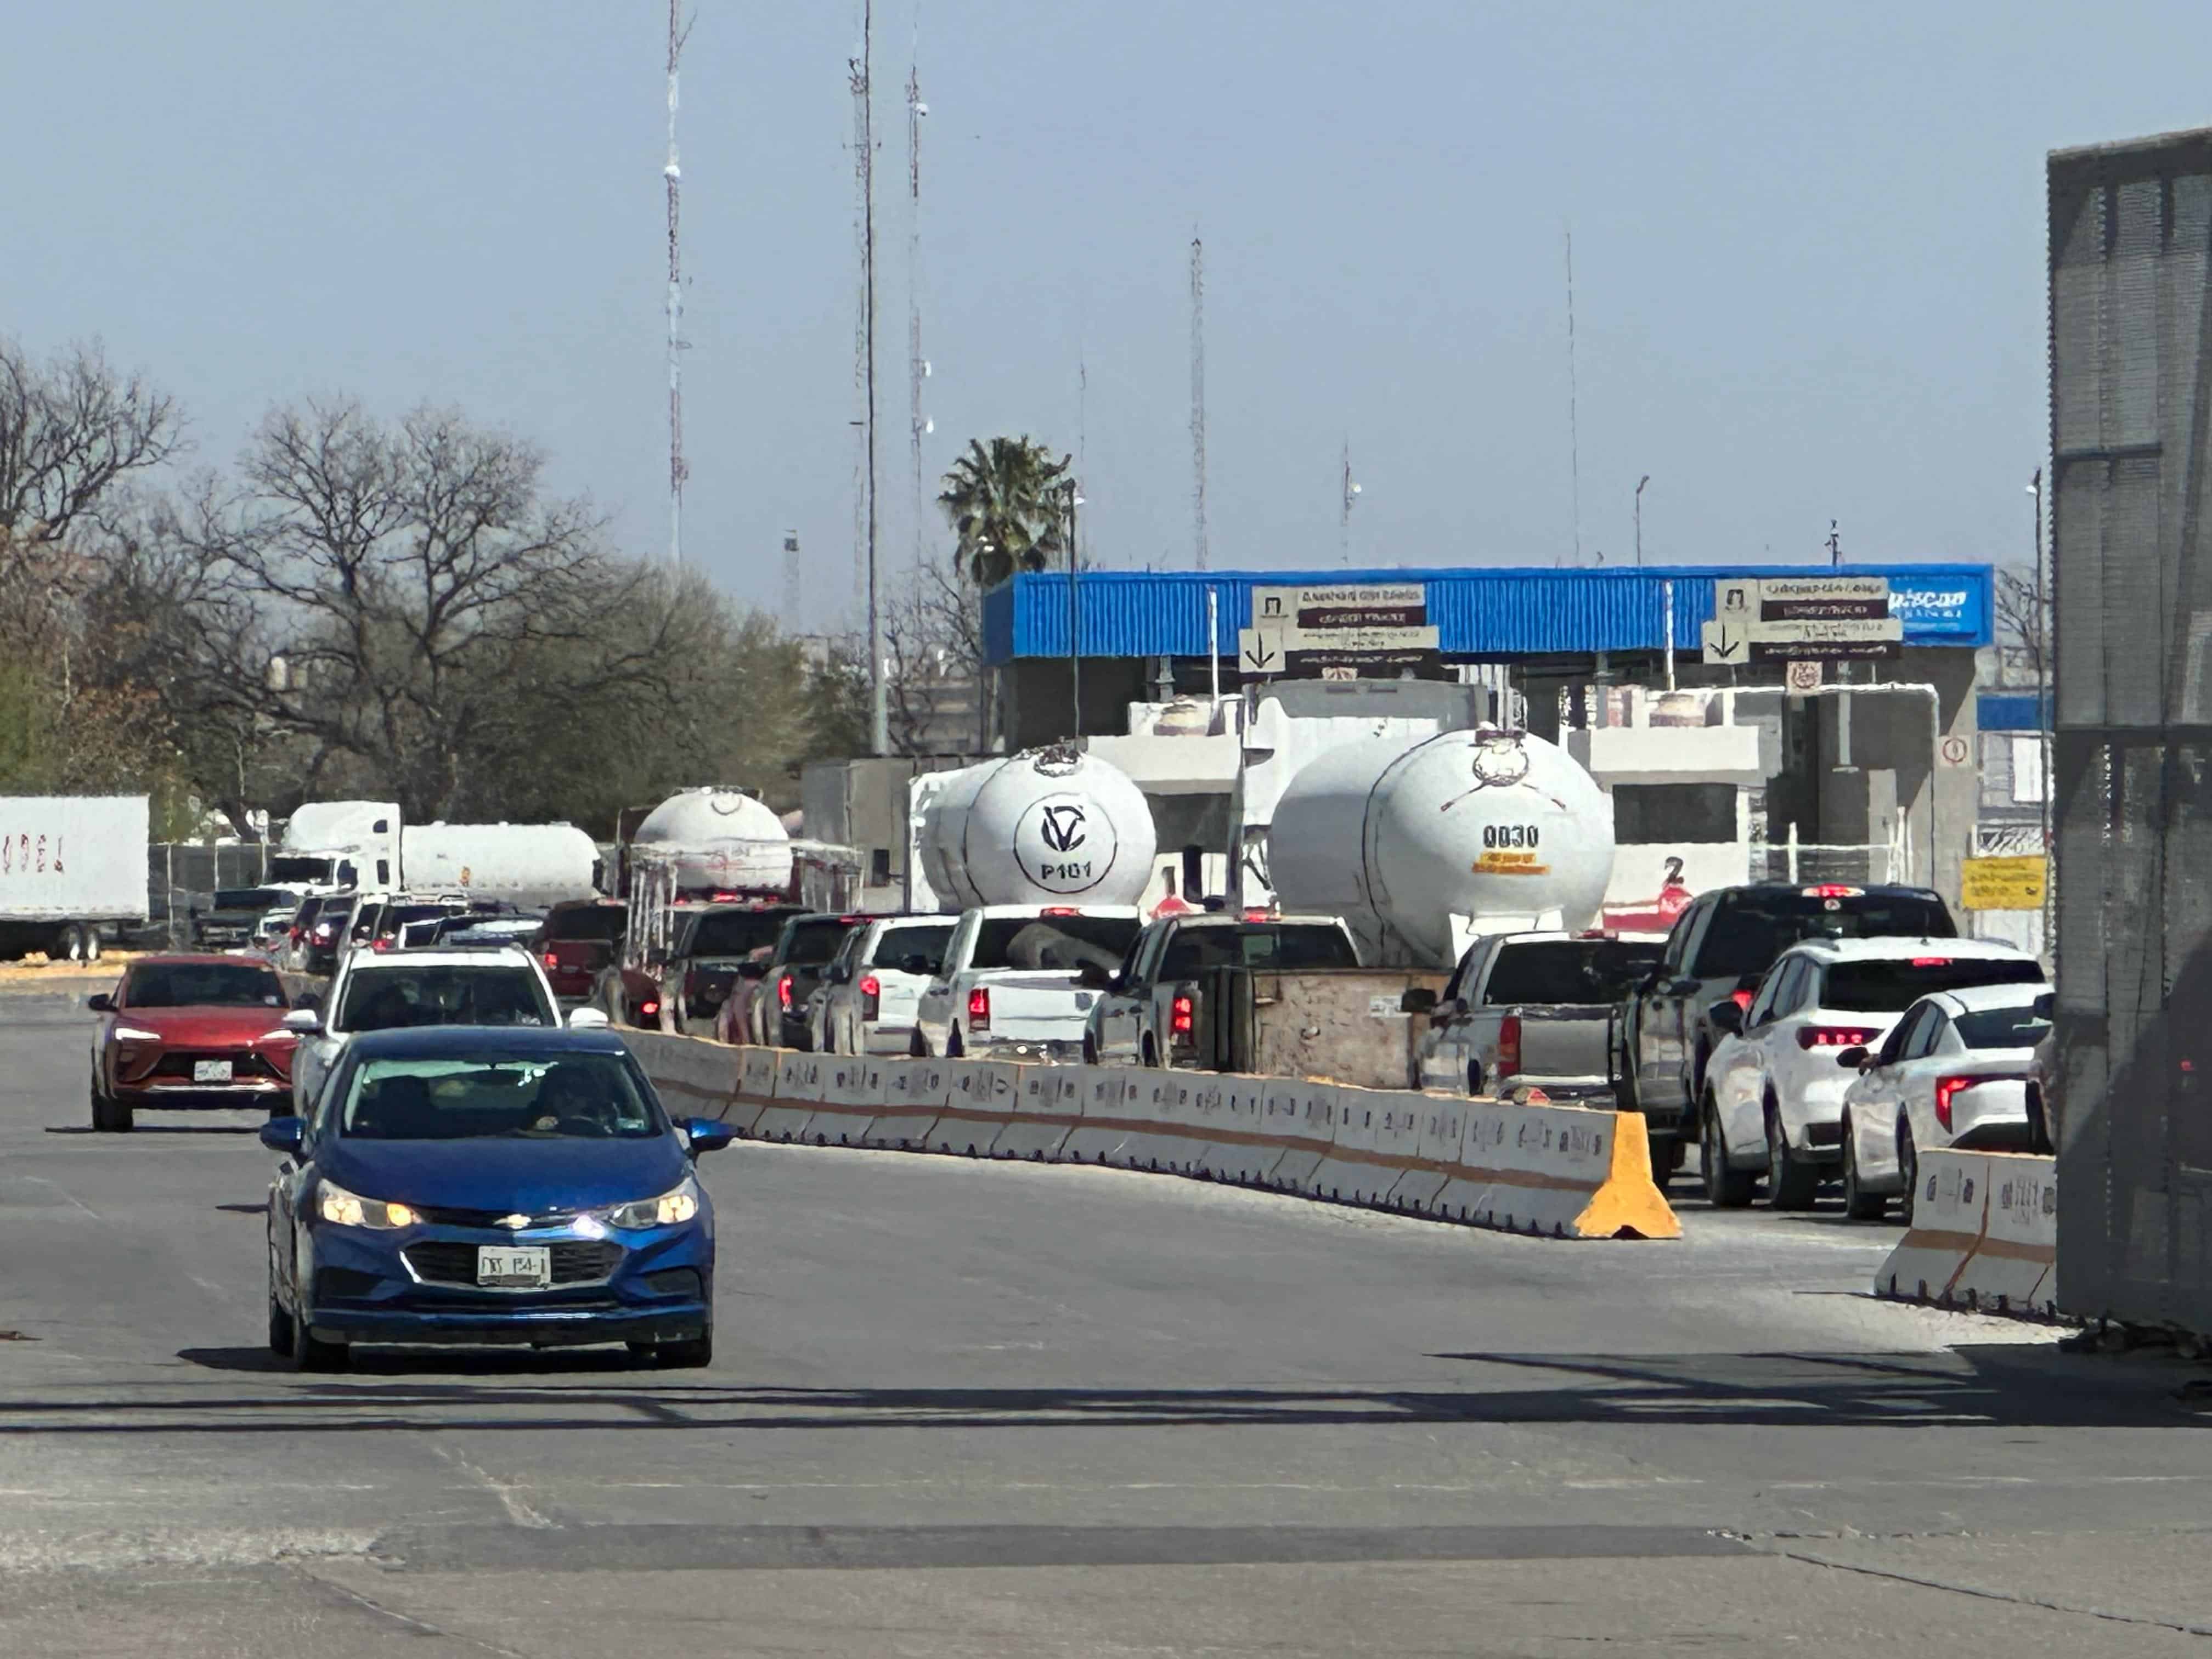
(2023, 625)
(70, 431)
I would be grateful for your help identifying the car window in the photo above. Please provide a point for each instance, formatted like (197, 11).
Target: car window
(574, 1097)
(897, 944)
(602, 922)
(1052, 941)
(1891, 986)
(2004, 1028)
(394, 994)
(1688, 936)
(733, 932)
(1146, 949)
(1917, 1031)
(1750, 929)
(1292, 947)
(1569, 970)
(1469, 970)
(1770, 993)
(250, 898)
(814, 940)
(202, 985)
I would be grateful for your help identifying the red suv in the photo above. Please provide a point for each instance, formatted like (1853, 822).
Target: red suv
(580, 941)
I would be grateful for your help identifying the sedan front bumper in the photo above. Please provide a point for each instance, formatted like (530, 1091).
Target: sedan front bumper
(547, 1328)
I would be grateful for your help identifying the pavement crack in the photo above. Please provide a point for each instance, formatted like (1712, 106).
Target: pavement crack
(1977, 1591)
(518, 1507)
(403, 1621)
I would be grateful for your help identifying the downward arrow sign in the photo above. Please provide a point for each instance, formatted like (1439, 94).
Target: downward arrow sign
(1257, 658)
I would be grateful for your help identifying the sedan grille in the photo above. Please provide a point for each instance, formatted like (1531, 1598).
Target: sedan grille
(243, 1068)
(574, 1261)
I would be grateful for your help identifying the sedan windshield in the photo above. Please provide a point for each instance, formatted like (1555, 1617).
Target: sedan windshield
(390, 996)
(573, 1097)
(202, 985)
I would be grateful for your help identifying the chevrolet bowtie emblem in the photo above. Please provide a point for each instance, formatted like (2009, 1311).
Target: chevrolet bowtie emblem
(514, 1223)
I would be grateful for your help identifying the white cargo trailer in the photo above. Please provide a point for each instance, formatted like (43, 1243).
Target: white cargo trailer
(72, 872)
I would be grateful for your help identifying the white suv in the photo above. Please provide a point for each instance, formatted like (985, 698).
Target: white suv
(875, 981)
(382, 990)
(1774, 1095)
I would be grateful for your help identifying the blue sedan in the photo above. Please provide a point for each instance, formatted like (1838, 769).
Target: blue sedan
(486, 1184)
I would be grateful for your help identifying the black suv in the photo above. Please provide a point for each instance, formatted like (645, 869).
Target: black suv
(1720, 949)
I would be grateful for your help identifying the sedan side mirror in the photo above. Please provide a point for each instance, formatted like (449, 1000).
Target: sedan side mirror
(283, 1134)
(1418, 1000)
(1728, 1016)
(1857, 1058)
(302, 1021)
(706, 1135)
(586, 1020)
(102, 1004)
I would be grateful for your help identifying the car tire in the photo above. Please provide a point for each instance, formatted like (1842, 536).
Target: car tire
(954, 1049)
(91, 931)
(282, 1331)
(1790, 1184)
(1908, 1167)
(691, 1354)
(1859, 1204)
(1666, 1156)
(311, 1353)
(1090, 1050)
(916, 1049)
(1725, 1188)
(1152, 1055)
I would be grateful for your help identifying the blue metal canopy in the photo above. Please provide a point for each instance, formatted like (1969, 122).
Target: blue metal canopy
(1493, 614)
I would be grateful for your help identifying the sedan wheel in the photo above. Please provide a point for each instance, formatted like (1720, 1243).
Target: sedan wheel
(282, 1331)
(1859, 1204)
(1790, 1184)
(1725, 1188)
(311, 1353)
(1908, 1166)
(697, 1352)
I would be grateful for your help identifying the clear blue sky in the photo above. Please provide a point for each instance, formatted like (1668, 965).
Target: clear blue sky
(1807, 250)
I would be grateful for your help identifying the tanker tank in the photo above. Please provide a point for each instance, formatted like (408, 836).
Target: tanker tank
(723, 840)
(527, 865)
(1047, 826)
(1422, 844)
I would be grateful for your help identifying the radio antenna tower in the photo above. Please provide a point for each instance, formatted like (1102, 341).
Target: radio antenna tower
(1198, 391)
(864, 139)
(917, 367)
(679, 469)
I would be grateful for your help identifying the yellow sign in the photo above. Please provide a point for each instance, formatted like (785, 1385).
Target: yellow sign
(1499, 863)
(2010, 883)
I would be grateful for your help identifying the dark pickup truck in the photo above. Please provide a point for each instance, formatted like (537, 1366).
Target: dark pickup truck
(1721, 947)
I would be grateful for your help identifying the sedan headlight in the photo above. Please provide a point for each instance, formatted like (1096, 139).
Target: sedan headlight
(132, 1033)
(679, 1203)
(335, 1204)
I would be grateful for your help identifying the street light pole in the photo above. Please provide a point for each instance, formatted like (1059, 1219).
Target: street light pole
(1640, 483)
(2039, 658)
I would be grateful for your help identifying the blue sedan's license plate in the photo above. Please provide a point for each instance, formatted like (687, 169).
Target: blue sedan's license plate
(512, 1265)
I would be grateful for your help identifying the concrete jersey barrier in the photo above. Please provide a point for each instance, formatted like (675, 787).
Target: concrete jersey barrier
(1984, 1235)
(1556, 1171)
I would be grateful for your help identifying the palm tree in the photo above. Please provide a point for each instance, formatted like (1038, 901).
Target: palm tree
(1006, 504)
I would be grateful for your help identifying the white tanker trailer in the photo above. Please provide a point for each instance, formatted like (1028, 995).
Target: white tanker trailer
(719, 840)
(1047, 826)
(1422, 844)
(527, 865)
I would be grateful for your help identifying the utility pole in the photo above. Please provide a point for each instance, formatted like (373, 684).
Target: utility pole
(1074, 613)
(679, 469)
(1640, 483)
(863, 120)
(1349, 492)
(1835, 547)
(1574, 425)
(2039, 659)
(1198, 392)
(917, 365)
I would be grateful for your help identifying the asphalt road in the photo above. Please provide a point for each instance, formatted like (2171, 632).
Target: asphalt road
(975, 1410)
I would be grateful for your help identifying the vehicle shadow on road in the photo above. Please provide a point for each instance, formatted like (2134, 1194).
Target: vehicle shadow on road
(233, 1129)
(2009, 1384)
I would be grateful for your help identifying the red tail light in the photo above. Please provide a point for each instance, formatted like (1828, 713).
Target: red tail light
(1832, 1037)
(783, 992)
(871, 995)
(1931, 962)
(649, 1009)
(1741, 998)
(552, 958)
(1834, 890)
(979, 1010)
(1946, 1088)
(1182, 1016)
(1060, 910)
(1508, 1045)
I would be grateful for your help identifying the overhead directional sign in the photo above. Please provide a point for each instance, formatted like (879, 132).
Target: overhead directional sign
(1801, 619)
(1340, 632)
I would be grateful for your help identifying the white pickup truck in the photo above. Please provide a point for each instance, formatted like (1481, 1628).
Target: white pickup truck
(1008, 985)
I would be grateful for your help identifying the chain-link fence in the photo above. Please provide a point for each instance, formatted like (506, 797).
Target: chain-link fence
(183, 875)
